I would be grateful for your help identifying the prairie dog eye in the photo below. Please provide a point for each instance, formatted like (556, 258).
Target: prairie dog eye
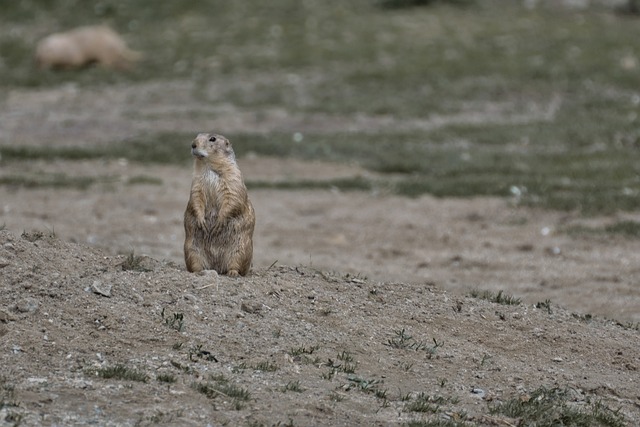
(212, 139)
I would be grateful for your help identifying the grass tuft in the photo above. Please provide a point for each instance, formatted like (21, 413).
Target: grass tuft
(175, 321)
(302, 350)
(220, 386)
(266, 367)
(293, 386)
(122, 372)
(404, 341)
(499, 298)
(546, 304)
(166, 378)
(134, 262)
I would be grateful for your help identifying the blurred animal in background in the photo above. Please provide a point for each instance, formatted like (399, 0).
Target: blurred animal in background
(84, 46)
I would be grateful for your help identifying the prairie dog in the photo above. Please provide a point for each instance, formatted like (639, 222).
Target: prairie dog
(83, 46)
(219, 219)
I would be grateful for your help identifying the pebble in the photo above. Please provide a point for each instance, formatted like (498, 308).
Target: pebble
(27, 305)
(478, 392)
(104, 289)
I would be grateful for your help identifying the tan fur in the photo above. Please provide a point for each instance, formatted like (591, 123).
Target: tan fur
(219, 219)
(83, 46)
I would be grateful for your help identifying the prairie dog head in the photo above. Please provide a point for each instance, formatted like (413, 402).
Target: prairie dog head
(212, 147)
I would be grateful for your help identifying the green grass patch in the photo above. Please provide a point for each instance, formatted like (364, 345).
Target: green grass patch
(543, 101)
(344, 184)
(554, 176)
(626, 228)
(157, 149)
(144, 180)
(57, 180)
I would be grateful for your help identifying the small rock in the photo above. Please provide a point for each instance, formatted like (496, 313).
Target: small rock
(557, 359)
(3, 262)
(104, 289)
(27, 305)
(480, 393)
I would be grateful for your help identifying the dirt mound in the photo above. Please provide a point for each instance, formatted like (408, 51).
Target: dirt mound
(87, 338)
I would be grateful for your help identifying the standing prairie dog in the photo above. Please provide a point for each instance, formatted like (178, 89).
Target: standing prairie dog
(219, 219)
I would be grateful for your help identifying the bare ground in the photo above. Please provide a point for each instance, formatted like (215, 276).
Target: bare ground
(368, 266)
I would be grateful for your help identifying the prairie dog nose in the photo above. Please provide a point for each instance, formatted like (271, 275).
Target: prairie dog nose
(193, 144)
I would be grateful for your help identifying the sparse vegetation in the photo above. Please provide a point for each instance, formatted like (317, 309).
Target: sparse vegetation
(166, 378)
(404, 341)
(551, 407)
(293, 386)
(266, 367)
(134, 262)
(121, 372)
(35, 235)
(302, 350)
(175, 321)
(221, 386)
(583, 317)
(498, 298)
(546, 305)
(425, 403)
(366, 385)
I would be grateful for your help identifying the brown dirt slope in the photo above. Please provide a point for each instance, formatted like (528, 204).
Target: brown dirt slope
(284, 345)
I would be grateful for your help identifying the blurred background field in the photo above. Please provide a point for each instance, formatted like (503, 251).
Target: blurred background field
(533, 100)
